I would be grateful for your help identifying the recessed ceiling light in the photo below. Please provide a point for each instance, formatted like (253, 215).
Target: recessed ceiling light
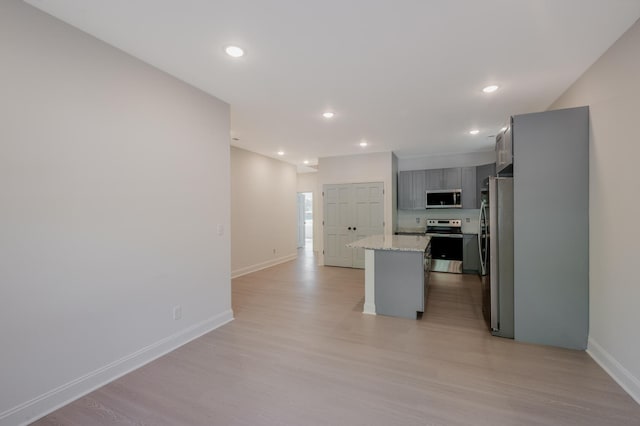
(474, 131)
(280, 152)
(490, 89)
(503, 129)
(306, 161)
(234, 51)
(328, 114)
(363, 144)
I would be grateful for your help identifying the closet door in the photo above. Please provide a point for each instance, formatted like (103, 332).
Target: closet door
(337, 220)
(351, 212)
(368, 215)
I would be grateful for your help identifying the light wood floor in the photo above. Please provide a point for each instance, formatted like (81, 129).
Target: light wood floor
(300, 352)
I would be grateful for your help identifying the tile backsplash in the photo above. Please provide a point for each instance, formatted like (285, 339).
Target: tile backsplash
(408, 219)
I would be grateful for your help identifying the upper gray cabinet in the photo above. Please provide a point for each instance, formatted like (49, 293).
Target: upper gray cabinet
(419, 189)
(413, 184)
(452, 178)
(433, 179)
(412, 190)
(469, 195)
(404, 191)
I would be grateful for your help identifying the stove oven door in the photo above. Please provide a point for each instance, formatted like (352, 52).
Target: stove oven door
(446, 253)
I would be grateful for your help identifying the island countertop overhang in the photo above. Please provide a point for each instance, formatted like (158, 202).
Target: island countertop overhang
(393, 242)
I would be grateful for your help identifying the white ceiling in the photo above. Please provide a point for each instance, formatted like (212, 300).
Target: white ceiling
(404, 75)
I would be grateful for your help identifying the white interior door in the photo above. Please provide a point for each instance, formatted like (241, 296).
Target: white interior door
(351, 212)
(301, 230)
(368, 215)
(337, 218)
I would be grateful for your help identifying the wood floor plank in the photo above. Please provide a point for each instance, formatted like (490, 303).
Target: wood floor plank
(300, 352)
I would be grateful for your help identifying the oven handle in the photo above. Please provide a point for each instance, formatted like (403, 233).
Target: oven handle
(444, 235)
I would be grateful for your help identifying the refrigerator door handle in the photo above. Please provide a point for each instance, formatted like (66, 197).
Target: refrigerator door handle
(481, 235)
(493, 252)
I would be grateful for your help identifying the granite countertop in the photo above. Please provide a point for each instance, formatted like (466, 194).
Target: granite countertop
(393, 242)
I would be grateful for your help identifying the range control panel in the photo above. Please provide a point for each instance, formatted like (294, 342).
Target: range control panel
(453, 223)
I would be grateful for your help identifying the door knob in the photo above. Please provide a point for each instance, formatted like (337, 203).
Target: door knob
(349, 228)
(354, 228)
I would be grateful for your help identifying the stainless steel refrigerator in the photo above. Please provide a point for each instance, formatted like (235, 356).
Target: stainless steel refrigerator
(498, 296)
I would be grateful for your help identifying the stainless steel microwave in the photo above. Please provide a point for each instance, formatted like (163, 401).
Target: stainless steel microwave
(444, 199)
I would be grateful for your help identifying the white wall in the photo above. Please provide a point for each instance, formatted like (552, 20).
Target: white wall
(376, 167)
(307, 182)
(611, 87)
(447, 160)
(113, 179)
(263, 212)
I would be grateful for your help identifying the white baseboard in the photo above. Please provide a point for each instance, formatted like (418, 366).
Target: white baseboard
(263, 265)
(44, 404)
(621, 375)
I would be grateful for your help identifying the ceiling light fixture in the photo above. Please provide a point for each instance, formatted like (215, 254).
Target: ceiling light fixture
(328, 114)
(490, 89)
(363, 144)
(234, 51)
(306, 161)
(474, 131)
(280, 152)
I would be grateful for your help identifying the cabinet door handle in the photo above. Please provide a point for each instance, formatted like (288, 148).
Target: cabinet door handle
(354, 228)
(349, 228)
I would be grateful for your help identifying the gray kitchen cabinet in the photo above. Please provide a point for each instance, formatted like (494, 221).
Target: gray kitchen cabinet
(413, 184)
(433, 179)
(551, 251)
(482, 173)
(451, 178)
(404, 190)
(469, 195)
(418, 185)
(470, 254)
(411, 190)
(400, 283)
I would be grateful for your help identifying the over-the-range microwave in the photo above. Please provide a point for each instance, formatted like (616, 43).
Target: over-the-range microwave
(444, 199)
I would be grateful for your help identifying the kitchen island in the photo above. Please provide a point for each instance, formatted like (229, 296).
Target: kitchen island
(396, 274)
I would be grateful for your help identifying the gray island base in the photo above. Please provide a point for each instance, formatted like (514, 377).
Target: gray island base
(396, 274)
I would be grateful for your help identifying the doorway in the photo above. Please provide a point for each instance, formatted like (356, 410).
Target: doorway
(305, 220)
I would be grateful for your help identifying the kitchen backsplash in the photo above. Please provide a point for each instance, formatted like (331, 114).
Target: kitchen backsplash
(417, 219)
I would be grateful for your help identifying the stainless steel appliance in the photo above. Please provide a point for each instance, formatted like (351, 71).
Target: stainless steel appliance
(444, 199)
(446, 245)
(498, 296)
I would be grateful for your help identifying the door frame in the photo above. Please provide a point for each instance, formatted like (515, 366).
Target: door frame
(301, 229)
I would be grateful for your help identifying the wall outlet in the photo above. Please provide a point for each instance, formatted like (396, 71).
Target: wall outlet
(418, 220)
(220, 229)
(177, 312)
(274, 251)
(468, 220)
